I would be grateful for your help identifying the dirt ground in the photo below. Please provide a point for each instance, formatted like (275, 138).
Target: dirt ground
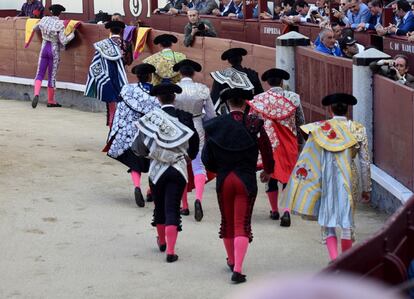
(69, 227)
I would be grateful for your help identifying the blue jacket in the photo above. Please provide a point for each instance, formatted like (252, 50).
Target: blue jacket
(362, 16)
(336, 51)
(373, 21)
(231, 9)
(406, 24)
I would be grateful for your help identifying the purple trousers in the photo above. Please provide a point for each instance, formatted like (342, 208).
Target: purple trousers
(48, 60)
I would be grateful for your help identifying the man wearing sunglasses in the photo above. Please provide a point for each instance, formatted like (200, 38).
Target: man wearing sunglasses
(357, 13)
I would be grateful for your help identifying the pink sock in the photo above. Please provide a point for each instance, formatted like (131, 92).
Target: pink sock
(199, 182)
(171, 234)
(51, 95)
(136, 178)
(37, 87)
(184, 198)
(346, 244)
(161, 233)
(286, 210)
(272, 196)
(332, 245)
(240, 249)
(229, 245)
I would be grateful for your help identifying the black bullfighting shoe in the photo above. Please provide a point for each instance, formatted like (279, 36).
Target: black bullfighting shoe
(55, 105)
(198, 211)
(238, 277)
(149, 197)
(274, 215)
(171, 258)
(35, 101)
(285, 219)
(162, 247)
(184, 212)
(139, 199)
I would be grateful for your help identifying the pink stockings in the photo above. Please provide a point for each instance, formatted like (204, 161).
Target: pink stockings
(273, 196)
(199, 182)
(50, 92)
(171, 234)
(236, 251)
(332, 241)
(136, 178)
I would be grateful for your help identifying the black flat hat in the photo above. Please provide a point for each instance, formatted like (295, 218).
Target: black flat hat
(275, 73)
(187, 62)
(339, 98)
(165, 37)
(143, 68)
(115, 24)
(165, 88)
(236, 93)
(233, 52)
(57, 8)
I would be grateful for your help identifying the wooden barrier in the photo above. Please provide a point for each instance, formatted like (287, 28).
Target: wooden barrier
(386, 255)
(317, 75)
(76, 59)
(394, 129)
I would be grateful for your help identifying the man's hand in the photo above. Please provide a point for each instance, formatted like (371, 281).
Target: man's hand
(366, 197)
(264, 177)
(216, 12)
(265, 15)
(381, 31)
(411, 38)
(155, 11)
(194, 30)
(392, 29)
(232, 15)
(173, 11)
(184, 8)
(360, 27)
(337, 14)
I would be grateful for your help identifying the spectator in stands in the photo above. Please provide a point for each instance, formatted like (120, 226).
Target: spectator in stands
(204, 7)
(239, 10)
(349, 32)
(357, 13)
(172, 7)
(288, 8)
(328, 44)
(336, 29)
(303, 16)
(344, 6)
(375, 7)
(197, 27)
(267, 15)
(117, 17)
(406, 16)
(32, 9)
(226, 7)
(348, 47)
(396, 69)
(322, 8)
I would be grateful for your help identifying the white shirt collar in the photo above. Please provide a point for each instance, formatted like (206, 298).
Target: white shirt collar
(167, 105)
(186, 79)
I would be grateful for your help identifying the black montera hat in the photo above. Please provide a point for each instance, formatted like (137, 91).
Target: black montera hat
(114, 24)
(233, 52)
(165, 38)
(57, 8)
(187, 62)
(143, 68)
(275, 73)
(339, 98)
(165, 88)
(236, 93)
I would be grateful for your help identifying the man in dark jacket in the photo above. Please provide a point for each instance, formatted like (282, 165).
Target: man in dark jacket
(232, 145)
(168, 137)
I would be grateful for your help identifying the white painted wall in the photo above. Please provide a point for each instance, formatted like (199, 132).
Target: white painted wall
(12, 4)
(109, 6)
(72, 6)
